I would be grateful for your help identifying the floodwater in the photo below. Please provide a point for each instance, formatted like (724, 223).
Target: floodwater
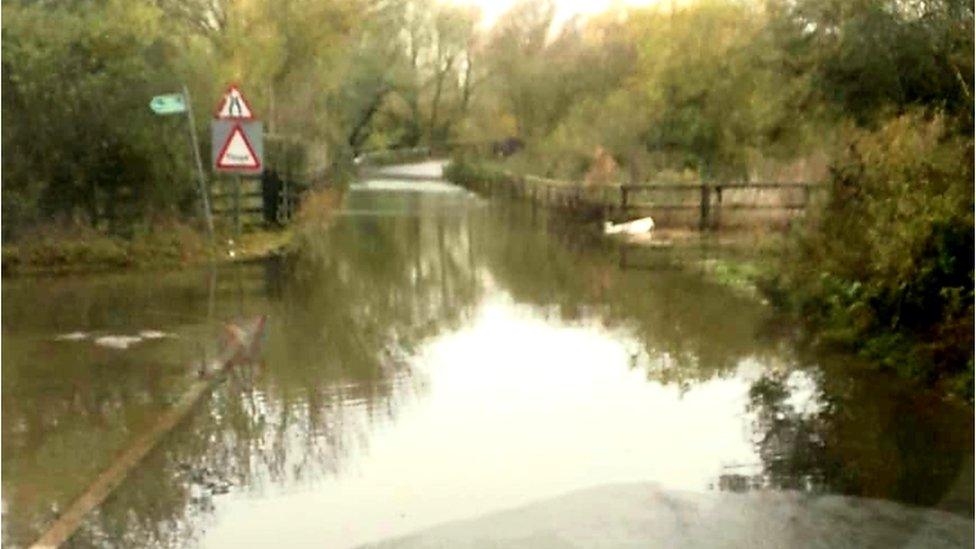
(433, 357)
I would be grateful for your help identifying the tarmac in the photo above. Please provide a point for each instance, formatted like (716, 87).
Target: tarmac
(643, 515)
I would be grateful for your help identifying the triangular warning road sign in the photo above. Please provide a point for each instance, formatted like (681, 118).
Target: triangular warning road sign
(234, 106)
(237, 153)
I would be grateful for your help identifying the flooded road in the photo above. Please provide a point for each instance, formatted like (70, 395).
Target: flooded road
(434, 357)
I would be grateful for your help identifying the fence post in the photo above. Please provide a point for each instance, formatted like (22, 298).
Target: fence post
(705, 199)
(717, 215)
(287, 199)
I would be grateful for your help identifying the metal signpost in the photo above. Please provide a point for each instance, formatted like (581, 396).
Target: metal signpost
(237, 144)
(176, 103)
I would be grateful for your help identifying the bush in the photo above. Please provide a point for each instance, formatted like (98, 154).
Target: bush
(464, 171)
(887, 265)
(82, 144)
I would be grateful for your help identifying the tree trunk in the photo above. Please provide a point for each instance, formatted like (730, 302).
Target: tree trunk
(357, 136)
(466, 89)
(438, 90)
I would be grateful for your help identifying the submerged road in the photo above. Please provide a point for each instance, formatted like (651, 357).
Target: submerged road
(442, 370)
(645, 515)
(429, 170)
(642, 515)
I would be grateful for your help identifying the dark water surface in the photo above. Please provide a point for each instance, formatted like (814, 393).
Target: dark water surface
(434, 357)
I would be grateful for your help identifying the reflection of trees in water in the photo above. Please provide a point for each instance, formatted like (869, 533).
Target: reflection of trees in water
(867, 436)
(42, 446)
(65, 399)
(372, 283)
(689, 329)
(866, 433)
(350, 308)
(244, 438)
(356, 302)
(790, 445)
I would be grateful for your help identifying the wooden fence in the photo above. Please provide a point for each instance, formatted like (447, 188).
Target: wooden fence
(711, 205)
(267, 200)
(702, 205)
(292, 166)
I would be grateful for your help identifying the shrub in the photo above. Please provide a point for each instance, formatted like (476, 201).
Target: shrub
(887, 266)
(464, 171)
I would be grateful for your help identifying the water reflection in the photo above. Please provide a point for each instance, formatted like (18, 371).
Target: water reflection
(347, 314)
(430, 357)
(857, 433)
(68, 398)
(686, 329)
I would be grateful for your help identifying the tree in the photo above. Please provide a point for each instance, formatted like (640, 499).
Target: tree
(81, 139)
(869, 55)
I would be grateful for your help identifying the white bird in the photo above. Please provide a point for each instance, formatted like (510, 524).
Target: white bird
(637, 226)
(117, 341)
(73, 336)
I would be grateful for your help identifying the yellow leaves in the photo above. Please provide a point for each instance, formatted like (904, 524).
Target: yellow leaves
(508, 124)
(395, 104)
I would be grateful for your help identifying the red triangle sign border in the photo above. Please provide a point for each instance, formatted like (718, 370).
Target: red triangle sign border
(223, 99)
(238, 129)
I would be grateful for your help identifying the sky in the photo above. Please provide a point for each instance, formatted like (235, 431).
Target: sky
(492, 9)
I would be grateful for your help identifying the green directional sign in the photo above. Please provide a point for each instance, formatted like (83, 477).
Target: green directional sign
(171, 103)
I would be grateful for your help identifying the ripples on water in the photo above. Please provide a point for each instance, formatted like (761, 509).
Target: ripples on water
(433, 357)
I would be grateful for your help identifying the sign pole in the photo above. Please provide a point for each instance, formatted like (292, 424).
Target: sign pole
(237, 206)
(196, 155)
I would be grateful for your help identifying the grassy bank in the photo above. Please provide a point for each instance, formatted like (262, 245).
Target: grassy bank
(466, 171)
(62, 250)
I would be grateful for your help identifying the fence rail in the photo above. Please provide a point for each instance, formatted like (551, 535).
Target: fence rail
(265, 201)
(708, 205)
(729, 185)
(231, 196)
(707, 202)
